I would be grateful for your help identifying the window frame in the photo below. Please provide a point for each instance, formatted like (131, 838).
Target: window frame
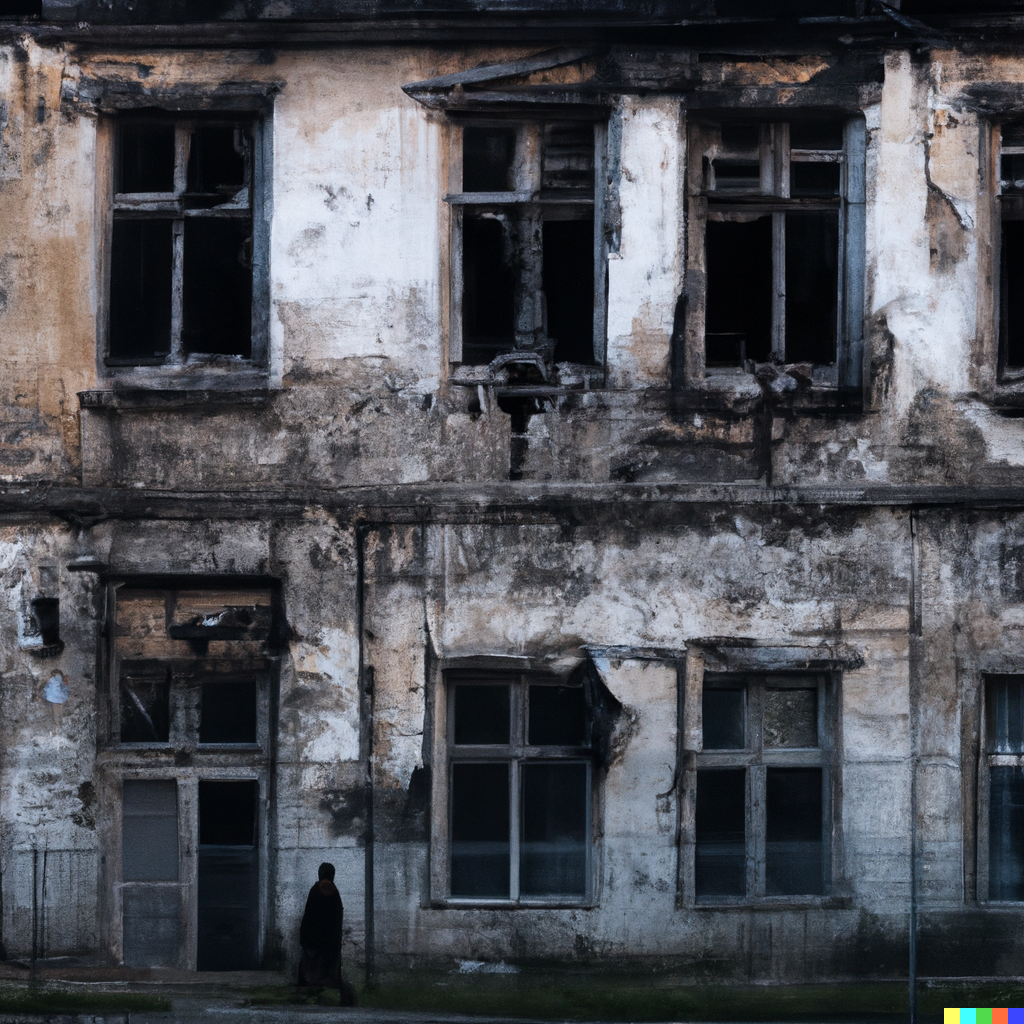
(516, 753)
(756, 761)
(775, 156)
(986, 760)
(252, 106)
(458, 202)
(1006, 207)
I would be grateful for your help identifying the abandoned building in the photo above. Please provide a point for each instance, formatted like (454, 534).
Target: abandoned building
(561, 462)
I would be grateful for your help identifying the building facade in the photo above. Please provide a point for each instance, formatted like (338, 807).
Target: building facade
(560, 463)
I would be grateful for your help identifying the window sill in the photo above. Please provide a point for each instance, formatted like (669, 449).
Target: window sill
(742, 392)
(253, 390)
(771, 903)
(455, 903)
(566, 377)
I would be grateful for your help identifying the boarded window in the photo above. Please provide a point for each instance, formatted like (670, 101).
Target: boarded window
(519, 787)
(149, 861)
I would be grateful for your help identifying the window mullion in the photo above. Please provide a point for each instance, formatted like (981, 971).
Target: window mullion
(177, 289)
(779, 287)
(755, 828)
(516, 828)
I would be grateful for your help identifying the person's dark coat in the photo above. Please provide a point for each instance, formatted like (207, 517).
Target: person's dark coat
(320, 937)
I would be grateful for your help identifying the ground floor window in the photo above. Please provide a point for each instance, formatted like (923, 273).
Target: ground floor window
(763, 788)
(1003, 788)
(519, 787)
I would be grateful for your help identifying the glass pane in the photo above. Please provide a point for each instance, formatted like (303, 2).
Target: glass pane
(216, 161)
(487, 155)
(1012, 291)
(721, 854)
(217, 293)
(816, 135)
(140, 289)
(481, 714)
(722, 711)
(814, 179)
(1006, 834)
(738, 319)
(488, 287)
(553, 860)
(568, 159)
(149, 846)
(480, 830)
(568, 281)
(557, 715)
(793, 854)
(145, 709)
(812, 281)
(1004, 704)
(790, 718)
(227, 813)
(146, 161)
(228, 712)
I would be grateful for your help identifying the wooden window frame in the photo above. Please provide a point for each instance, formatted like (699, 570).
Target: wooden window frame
(525, 197)
(846, 373)
(756, 761)
(178, 367)
(516, 754)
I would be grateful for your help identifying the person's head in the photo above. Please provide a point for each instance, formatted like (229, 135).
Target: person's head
(325, 872)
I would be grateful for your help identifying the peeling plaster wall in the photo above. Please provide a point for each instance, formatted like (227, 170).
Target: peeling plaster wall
(358, 396)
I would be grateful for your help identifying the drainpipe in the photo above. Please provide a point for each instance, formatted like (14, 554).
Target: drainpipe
(367, 708)
(914, 682)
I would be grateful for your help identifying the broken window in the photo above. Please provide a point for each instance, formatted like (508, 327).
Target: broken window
(519, 787)
(181, 252)
(762, 815)
(527, 277)
(1004, 766)
(1011, 249)
(190, 736)
(782, 211)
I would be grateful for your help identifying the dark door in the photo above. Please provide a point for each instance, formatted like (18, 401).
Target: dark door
(228, 882)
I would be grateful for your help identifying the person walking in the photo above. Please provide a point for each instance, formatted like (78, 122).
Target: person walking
(320, 937)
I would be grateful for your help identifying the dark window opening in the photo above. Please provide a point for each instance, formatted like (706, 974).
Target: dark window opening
(793, 847)
(218, 287)
(1004, 700)
(145, 708)
(812, 280)
(814, 179)
(482, 714)
(488, 291)
(480, 847)
(146, 161)
(569, 288)
(227, 813)
(487, 155)
(554, 854)
(46, 623)
(721, 857)
(1006, 834)
(228, 712)
(181, 277)
(140, 290)
(528, 260)
(227, 877)
(1012, 289)
(738, 318)
(557, 716)
(217, 161)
